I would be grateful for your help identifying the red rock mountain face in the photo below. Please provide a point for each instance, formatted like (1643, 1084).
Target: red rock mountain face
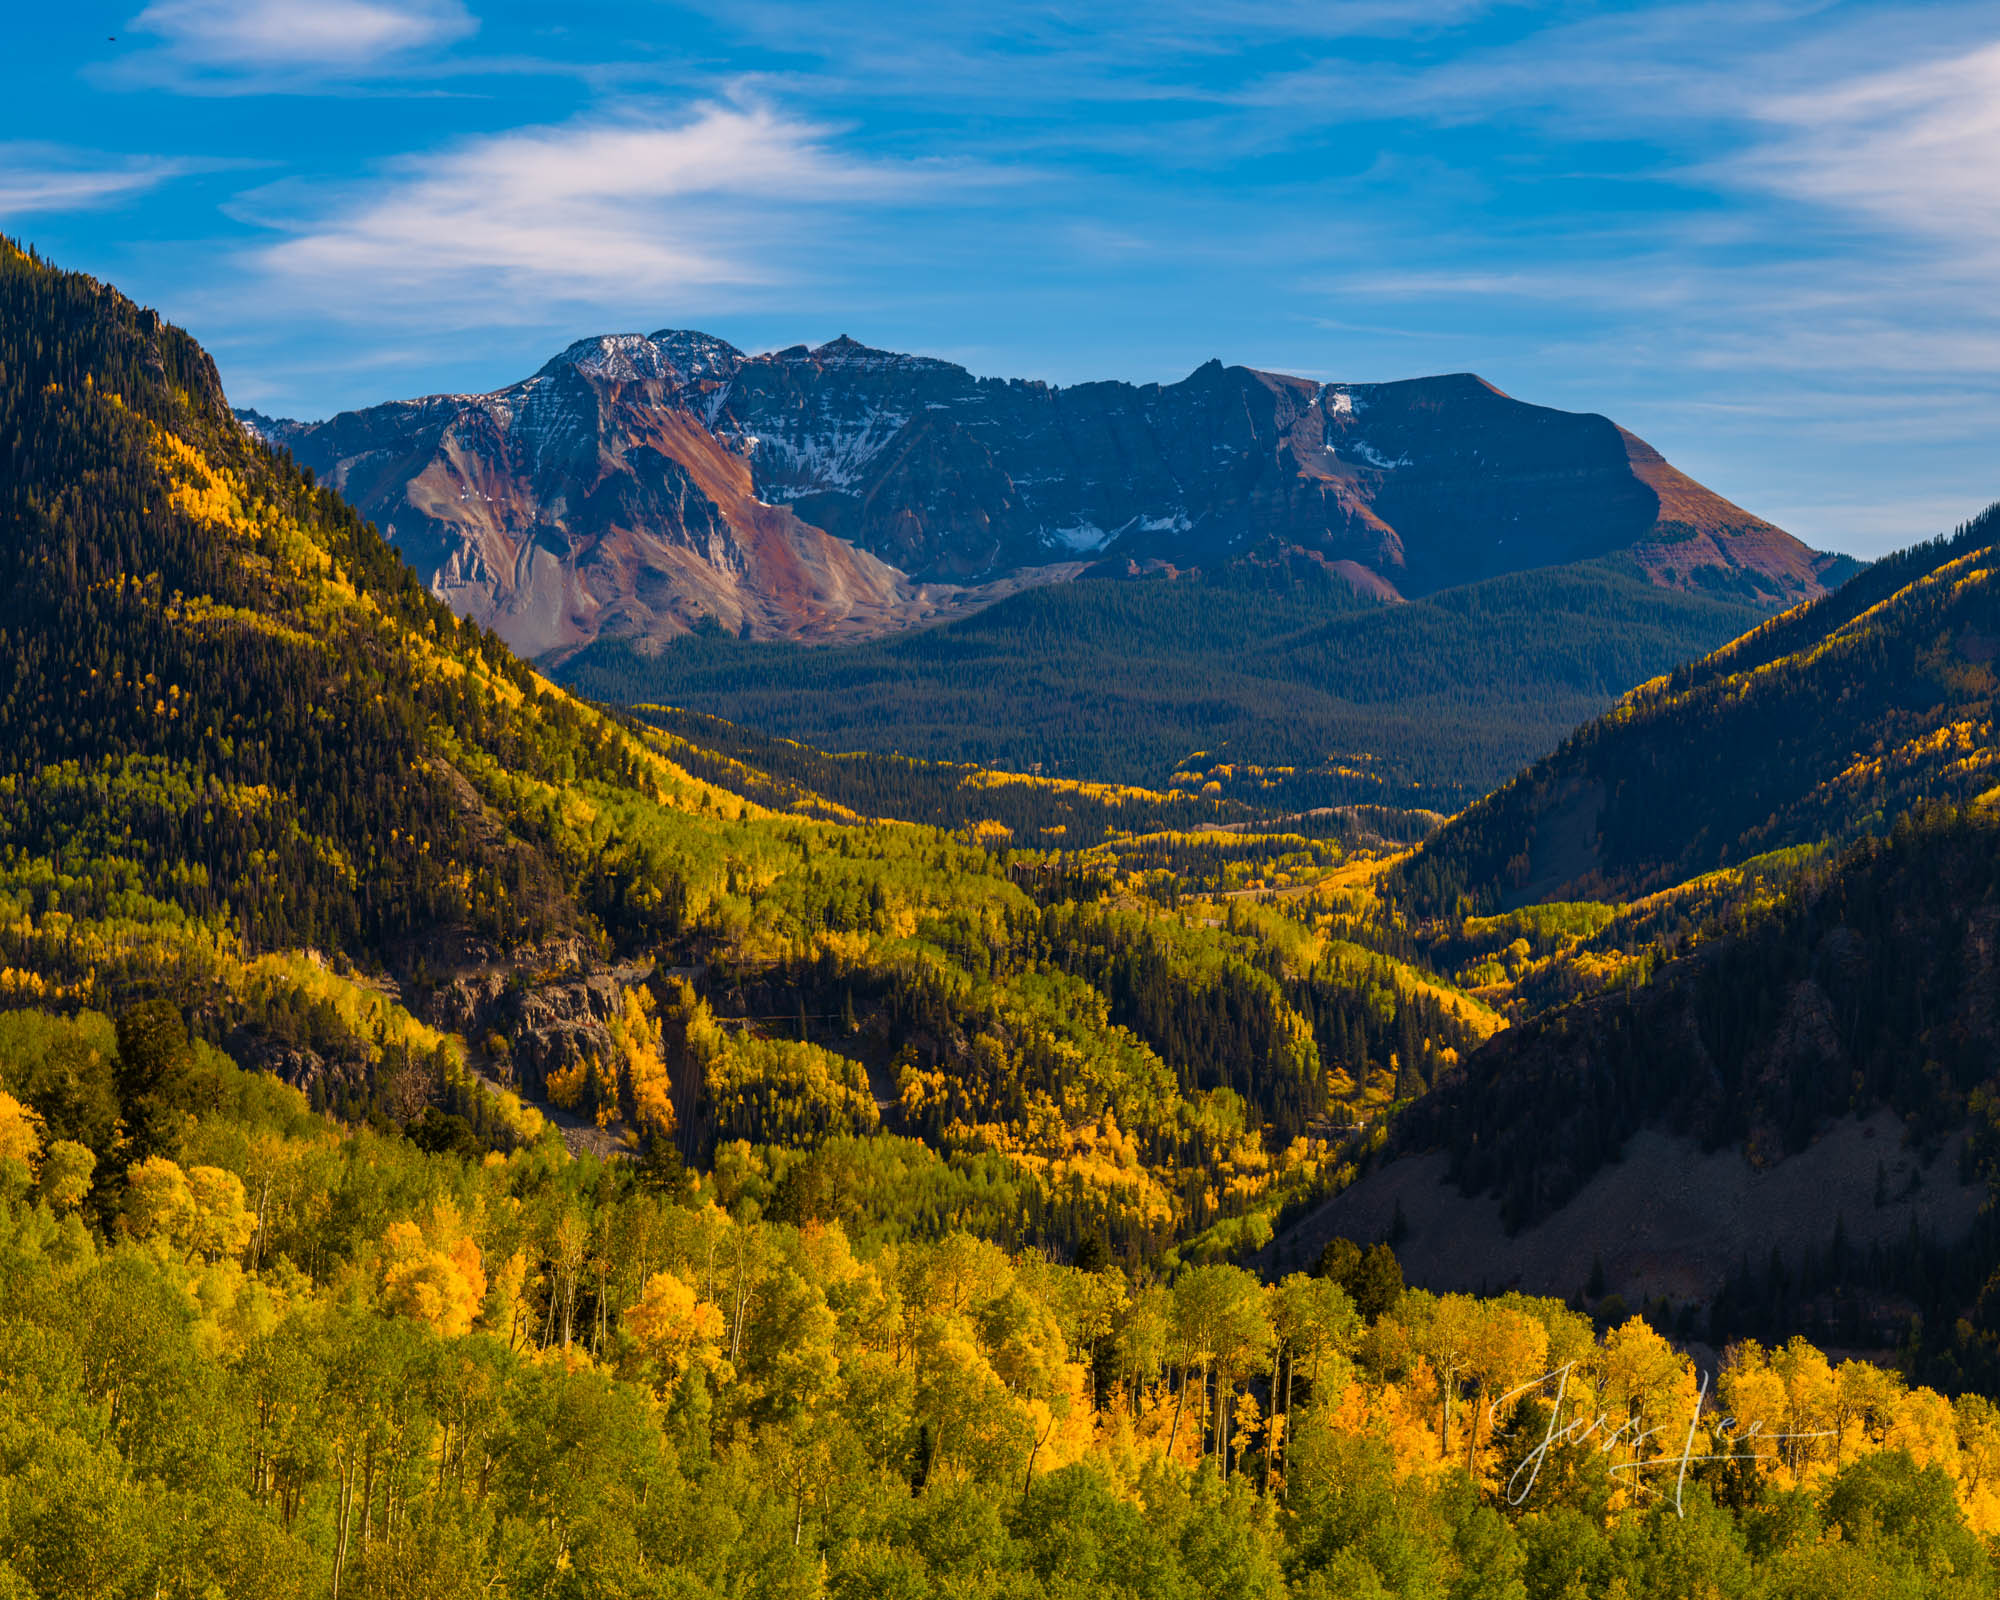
(636, 485)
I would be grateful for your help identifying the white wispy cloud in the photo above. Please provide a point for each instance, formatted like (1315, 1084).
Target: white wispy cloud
(1915, 147)
(608, 211)
(275, 43)
(42, 179)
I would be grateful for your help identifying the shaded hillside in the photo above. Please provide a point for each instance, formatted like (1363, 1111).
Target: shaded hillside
(635, 486)
(1823, 723)
(1789, 1128)
(1875, 982)
(1272, 680)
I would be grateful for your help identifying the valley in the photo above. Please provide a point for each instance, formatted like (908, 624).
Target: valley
(1397, 592)
(477, 1126)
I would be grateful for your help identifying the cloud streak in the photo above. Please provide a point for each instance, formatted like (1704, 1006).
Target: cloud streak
(603, 212)
(1659, 210)
(45, 179)
(260, 45)
(1916, 148)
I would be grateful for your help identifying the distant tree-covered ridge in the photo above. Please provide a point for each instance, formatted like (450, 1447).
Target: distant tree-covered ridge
(1267, 680)
(1826, 722)
(1026, 807)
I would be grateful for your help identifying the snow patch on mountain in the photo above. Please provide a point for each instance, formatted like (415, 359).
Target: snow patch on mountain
(549, 420)
(278, 432)
(697, 357)
(834, 455)
(853, 355)
(676, 356)
(1080, 535)
(1373, 457)
(621, 357)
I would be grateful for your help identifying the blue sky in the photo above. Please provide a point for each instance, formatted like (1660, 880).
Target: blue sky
(1764, 236)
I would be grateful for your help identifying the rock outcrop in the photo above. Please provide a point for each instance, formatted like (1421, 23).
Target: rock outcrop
(551, 1006)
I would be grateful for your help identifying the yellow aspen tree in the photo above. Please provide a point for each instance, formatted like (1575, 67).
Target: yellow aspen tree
(433, 1273)
(1753, 1397)
(1509, 1348)
(565, 1085)
(1865, 1398)
(507, 1312)
(1924, 1426)
(20, 1133)
(1026, 1346)
(1248, 1418)
(158, 1202)
(676, 1331)
(222, 1224)
(1447, 1339)
(1978, 1422)
(1811, 1393)
(639, 1036)
(977, 1426)
(1649, 1387)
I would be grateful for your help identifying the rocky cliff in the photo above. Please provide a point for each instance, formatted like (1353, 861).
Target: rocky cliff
(637, 485)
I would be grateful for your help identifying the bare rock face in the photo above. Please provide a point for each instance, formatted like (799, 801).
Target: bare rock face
(301, 1066)
(466, 1003)
(550, 1022)
(557, 1025)
(638, 485)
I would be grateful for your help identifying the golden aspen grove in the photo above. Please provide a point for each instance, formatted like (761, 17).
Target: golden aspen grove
(460, 1140)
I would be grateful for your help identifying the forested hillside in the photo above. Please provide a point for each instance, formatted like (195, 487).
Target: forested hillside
(1270, 678)
(288, 1360)
(1869, 980)
(455, 1139)
(1824, 723)
(1755, 900)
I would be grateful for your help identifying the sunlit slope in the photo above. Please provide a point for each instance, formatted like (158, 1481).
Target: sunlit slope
(1826, 722)
(228, 696)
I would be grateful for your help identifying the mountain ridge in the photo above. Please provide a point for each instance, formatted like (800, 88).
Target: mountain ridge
(635, 485)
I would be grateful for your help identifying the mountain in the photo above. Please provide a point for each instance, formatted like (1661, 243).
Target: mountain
(876, 1237)
(1823, 723)
(636, 485)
